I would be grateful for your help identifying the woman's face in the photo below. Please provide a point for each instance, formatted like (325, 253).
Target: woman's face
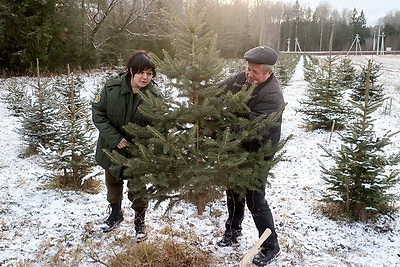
(142, 79)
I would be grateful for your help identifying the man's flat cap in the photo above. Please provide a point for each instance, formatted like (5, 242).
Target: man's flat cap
(261, 55)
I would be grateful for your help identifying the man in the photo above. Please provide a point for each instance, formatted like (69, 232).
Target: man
(267, 98)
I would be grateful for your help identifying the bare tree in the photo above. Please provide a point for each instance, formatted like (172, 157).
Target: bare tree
(322, 15)
(108, 20)
(268, 15)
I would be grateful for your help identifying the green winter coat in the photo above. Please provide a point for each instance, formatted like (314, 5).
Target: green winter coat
(113, 108)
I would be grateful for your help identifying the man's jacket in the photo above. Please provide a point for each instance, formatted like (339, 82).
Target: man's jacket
(267, 98)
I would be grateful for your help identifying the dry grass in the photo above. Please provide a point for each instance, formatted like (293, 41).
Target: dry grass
(91, 186)
(338, 212)
(122, 250)
(162, 253)
(65, 254)
(311, 127)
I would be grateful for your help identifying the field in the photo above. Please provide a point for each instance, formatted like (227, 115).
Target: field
(45, 227)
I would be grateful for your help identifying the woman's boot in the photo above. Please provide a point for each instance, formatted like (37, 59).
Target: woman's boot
(140, 227)
(115, 218)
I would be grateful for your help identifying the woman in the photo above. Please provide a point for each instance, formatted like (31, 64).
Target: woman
(116, 106)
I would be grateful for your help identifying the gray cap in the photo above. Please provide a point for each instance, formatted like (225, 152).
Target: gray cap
(261, 55)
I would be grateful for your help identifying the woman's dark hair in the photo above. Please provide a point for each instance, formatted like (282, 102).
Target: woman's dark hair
(139, 61)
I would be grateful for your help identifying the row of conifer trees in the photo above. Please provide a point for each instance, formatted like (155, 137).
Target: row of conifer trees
(339, 97)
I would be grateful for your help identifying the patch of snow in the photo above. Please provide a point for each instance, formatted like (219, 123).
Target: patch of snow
(36, 221)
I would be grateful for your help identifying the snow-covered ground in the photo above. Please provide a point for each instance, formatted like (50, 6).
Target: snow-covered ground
(45, 227)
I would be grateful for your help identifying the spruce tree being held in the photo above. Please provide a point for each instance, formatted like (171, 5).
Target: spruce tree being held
(192, 152)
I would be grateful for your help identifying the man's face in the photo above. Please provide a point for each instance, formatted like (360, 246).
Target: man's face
(256, 73)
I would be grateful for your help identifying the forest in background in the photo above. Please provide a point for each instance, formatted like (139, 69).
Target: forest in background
(89, 34)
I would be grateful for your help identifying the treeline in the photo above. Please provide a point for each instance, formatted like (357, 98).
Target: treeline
(90, 33)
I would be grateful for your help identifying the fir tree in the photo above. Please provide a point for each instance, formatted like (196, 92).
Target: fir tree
(310, 69)
(285, 67)
(346, 74)
(70, 154)
(38, 116)
(359, 180)
(375, 88)
(27, 29)
(323, 107)
(15, 97)
(192, 151)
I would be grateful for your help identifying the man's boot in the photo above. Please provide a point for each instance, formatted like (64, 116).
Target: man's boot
(115, 218)
(267, 254)
(140, 227)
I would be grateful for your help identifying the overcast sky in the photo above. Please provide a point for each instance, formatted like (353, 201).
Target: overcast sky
(373, 9)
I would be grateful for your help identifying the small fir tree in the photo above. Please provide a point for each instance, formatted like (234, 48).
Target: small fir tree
(70, 154)
(233, 66)
(375, 88)
(14, 96)
(323, 107)
(285, 67)
(359, 181)
(310, 67)
(38, 116)
(346, 74)
(193, 152)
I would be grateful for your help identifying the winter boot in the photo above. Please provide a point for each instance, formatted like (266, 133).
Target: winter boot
(230, 238)
(140, 227)
(115, 217)
(266, 255)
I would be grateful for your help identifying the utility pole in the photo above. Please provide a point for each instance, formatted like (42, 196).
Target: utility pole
(373, 43)
(297, 45)
(320, 37)
(356, 41)
(383, 44)
(377, 40)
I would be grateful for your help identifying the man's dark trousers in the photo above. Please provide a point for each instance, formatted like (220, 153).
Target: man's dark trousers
(259, 209)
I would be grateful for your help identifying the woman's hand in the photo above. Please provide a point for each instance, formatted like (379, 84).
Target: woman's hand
(122, 144)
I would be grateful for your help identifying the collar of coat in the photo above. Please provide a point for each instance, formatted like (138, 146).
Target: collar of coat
(122, 81)
(242, 81)
(261, 85)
